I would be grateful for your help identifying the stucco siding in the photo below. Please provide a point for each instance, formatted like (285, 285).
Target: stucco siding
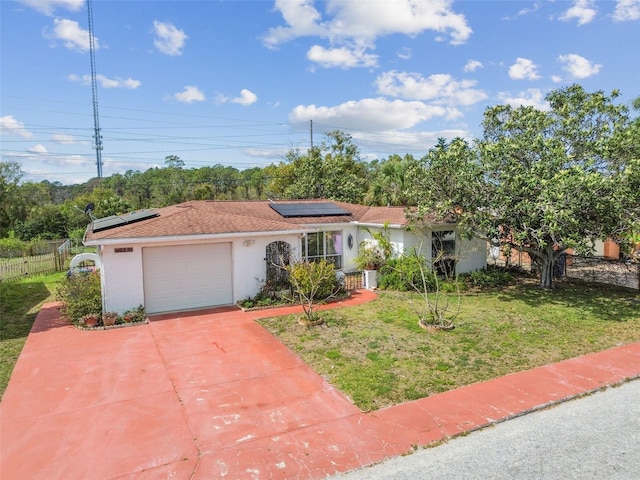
(122, 278)
(473, 255)
(249, 262)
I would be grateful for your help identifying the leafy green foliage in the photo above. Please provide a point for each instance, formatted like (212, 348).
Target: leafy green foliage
(333, 171)
(313, 282)
(539, 181)
(134, 315)
(373, 254)
(80, 295)
(489, 277)
(402, 274)
(14, 247)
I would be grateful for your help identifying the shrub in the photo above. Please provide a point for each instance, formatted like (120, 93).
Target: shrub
(13, 247)
(135, 315)
(490, 277)
(316, 280)
(80, 295)
(313, 282)
(403, 274)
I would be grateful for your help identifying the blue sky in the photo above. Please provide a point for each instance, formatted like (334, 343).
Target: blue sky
(237, 82)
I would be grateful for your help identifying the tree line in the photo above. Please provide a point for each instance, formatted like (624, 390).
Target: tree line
(541, 181)
(333, 170)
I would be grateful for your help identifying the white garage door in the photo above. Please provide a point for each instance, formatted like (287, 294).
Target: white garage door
(187, 276)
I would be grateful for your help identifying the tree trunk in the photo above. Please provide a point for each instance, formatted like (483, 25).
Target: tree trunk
(546, 269)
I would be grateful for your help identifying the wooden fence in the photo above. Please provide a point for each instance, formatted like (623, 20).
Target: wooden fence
(20, 267)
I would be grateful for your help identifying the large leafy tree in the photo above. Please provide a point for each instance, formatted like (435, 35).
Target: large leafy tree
(540, 181)
(334, 171)
(389, 181)
(10, 198)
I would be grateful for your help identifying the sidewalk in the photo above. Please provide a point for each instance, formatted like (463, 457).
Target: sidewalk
(212, 394)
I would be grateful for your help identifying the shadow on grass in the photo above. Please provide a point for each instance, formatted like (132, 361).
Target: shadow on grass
(606, 302)
(18, 302)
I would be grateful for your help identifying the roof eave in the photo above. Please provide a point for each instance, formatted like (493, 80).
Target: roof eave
(182, 238)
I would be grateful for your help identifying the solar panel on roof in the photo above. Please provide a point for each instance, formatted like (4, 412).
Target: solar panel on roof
(114, 221)
(107, 223)
(293, 210)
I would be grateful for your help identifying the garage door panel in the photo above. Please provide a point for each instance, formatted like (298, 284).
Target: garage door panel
(187, 276)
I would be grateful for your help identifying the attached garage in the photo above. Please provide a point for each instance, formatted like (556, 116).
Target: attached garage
(183, 277)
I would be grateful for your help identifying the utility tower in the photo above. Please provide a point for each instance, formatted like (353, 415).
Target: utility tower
(97, 137)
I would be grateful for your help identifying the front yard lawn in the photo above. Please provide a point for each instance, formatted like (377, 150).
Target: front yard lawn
(20, 302)
(378, 355)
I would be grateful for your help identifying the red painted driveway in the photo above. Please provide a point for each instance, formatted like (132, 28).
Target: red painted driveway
(211, 394)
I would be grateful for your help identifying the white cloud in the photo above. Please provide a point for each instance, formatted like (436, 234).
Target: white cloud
(394, 141)
(531, 97)
(341, 57)
(106, 82)
(63, 139)
(190, 94)
(247, 97)
(524, 11)
(405, 53)
(582, 10)
(577, 66)
(527, 11)
(360, 22)
(47, 7)
(370, 114)
(627, 10)
(273, 153)
(38, 149)
(170, 40)
(302, 20)
(523, 69)
(556, 78)
(71, 35)
(440, 88)
(10, 126)
(472, 66)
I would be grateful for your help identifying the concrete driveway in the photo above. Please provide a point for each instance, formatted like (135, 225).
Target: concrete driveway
(212, 394)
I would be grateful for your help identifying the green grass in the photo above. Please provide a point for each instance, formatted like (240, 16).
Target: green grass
(20, 302)
(378, 355)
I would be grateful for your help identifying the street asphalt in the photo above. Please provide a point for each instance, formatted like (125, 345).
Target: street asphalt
(596, 436)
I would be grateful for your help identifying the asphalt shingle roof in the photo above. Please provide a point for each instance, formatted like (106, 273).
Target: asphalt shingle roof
(227, 217)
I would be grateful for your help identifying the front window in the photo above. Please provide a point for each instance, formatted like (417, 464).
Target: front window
(323, 245)
(443, 252)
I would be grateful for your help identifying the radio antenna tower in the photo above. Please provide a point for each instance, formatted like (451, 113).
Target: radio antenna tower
(97, 137)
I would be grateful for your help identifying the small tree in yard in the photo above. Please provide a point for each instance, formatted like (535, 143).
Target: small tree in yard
(438, 307)
(313, 282)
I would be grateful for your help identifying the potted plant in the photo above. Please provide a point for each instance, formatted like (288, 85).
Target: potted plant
(372, 254)
(135, 315)
(90, 320)
(109, 318)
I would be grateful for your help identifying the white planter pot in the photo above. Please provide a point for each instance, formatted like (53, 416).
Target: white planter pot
(370, 279)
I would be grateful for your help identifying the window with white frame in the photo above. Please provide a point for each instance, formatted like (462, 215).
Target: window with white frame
(323, 245)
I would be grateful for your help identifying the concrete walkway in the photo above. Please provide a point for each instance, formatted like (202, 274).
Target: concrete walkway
(212, 394)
